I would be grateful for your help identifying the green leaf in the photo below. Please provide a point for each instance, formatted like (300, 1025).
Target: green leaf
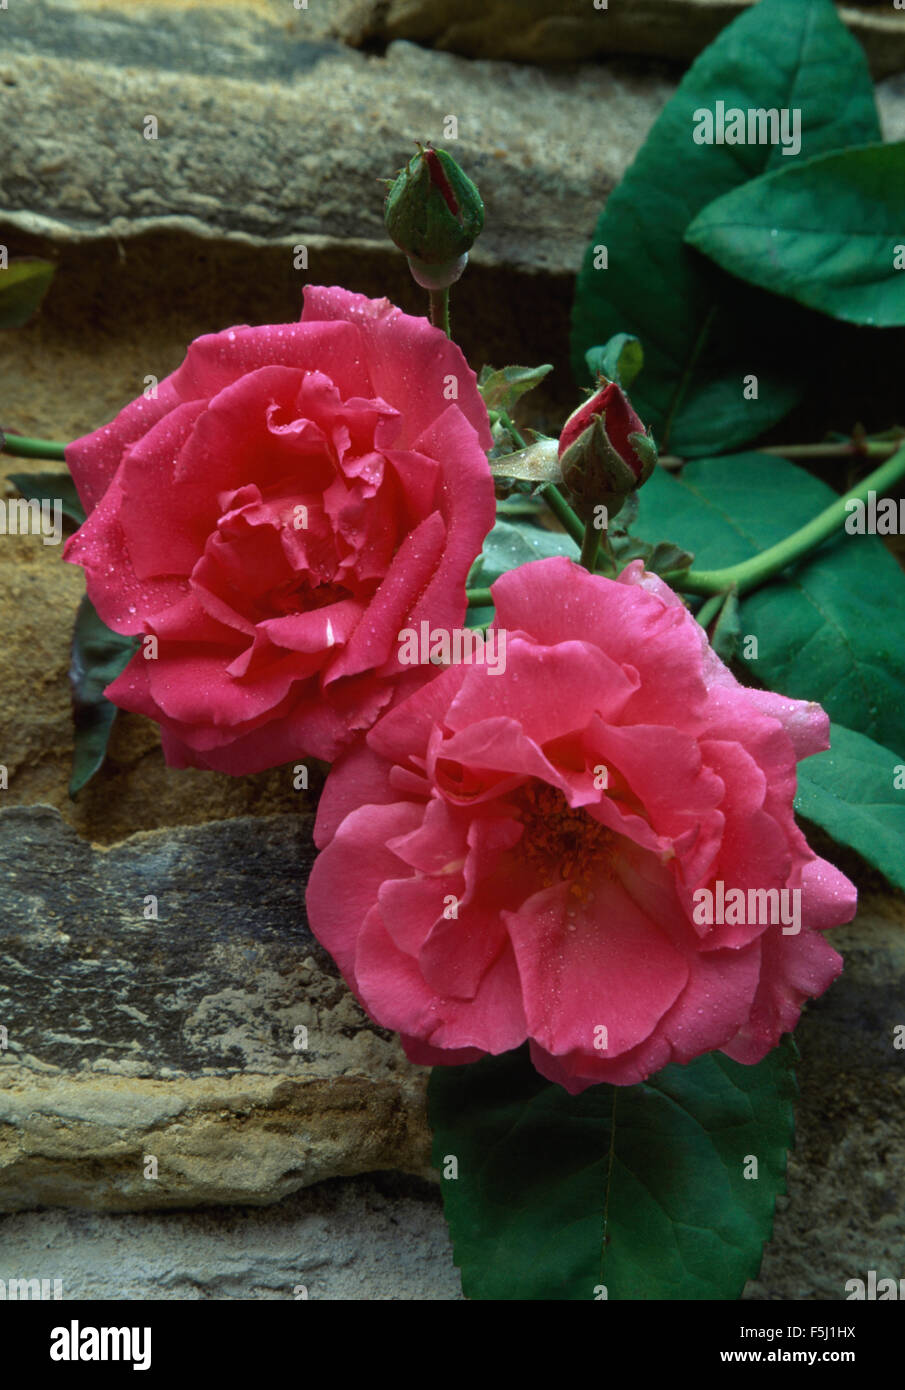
(824, 233)
(820, 635)
(619, 360)
(23, 285)
(479, 615)
(502, 389)
(667, 557)
(727, 628)
(509, 545)
(98, 657)
(539, 463)
(51, 487)
(851, 792)
(703, 331)
(662, 558)
(553, 1201)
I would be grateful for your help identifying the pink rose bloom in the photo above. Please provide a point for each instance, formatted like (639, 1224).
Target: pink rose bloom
(293, 497)
(520, 855)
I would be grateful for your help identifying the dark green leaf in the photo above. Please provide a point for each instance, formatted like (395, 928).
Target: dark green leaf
(856, 792)
(51, 487)
(619, 360)
(509, 545)
(98, 657)
(662, 558)
(727, 628)
(502, 389)
(23, 284)
(479, 615)
(667, 557)
(820, 634)
(776, 232)
(704, 332)
(552, 1201)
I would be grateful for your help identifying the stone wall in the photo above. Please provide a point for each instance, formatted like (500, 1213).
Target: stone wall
(176, 1039)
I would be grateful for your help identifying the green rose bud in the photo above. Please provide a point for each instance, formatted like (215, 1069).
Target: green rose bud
(604, 452)
(433, 213)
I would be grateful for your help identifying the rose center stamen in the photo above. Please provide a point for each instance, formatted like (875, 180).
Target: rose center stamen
(564, 843)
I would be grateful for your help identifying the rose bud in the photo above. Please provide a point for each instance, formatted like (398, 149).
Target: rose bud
(605, 452)
(433, 213)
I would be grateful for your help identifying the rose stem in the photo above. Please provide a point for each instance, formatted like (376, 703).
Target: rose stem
(590, 545)
(24, 448)
(551, 494)
(750, 573)
(439, 309)
(873, 448)
(709, 609)
(563, 512)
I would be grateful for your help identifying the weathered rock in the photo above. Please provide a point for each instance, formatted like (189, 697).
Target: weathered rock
(286, 145)
(533, 31)
(381, 1237)
(175, 1039)
(172, 1038)
(161, 241)
(844, 1212)
(178, 1039)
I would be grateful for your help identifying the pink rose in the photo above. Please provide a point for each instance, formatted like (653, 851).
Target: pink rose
(529, 854)
(293, 497)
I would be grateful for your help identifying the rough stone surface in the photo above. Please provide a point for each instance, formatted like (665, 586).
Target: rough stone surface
(161, 241)
(534, 31)
(381, 1237)
(172, 1038)
(844, 1212)
(288, 150)
(176, 1038)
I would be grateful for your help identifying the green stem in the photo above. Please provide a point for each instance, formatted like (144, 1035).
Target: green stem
(569, 520)
(709, 609)
(24, 448)
(749, 574)
(563, 512)
(871, 448)
(439, 309)
(590, 545)
(518, 439)
(479, 598)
